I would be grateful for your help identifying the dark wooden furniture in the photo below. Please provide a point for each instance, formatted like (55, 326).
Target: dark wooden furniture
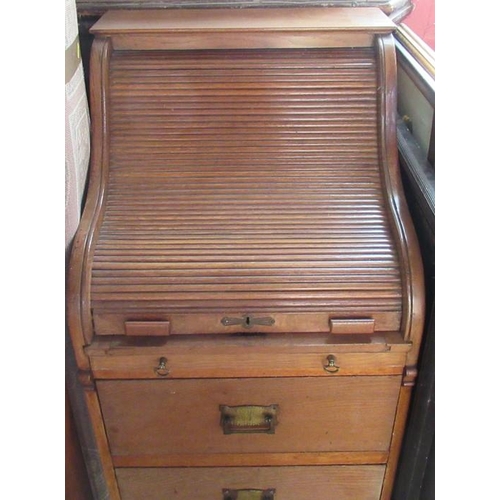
(395, 9)
(246, 292)
(76, 479)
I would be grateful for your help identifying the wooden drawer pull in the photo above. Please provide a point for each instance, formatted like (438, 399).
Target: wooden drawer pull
(248, 419)
(147, 328)
(352, 326)
(248, 494)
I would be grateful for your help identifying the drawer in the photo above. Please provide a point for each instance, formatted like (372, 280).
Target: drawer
(238, 363)
(288, 483)
(165, 418)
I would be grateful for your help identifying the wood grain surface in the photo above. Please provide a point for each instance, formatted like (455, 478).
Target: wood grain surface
(291, 483)
(151, 21)
(232, 29)
(247, 364)
(182, 416)
(251, 190)
(222, 356)
(244, 182)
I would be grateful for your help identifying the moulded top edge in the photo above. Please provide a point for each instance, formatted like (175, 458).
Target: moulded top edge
(369, 19)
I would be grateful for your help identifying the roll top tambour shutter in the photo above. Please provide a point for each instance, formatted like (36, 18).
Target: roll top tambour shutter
(245, 182)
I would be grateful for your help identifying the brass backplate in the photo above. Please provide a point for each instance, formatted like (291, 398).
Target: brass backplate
(249, 419)
(248, 494)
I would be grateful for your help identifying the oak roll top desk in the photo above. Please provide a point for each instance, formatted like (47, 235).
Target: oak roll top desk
(245, 293)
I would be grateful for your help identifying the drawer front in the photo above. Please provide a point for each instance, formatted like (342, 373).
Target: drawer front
(278, 483)
(164, 417)
(247, 364)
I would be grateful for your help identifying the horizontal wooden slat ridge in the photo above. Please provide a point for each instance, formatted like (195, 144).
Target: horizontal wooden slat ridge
(245, 177)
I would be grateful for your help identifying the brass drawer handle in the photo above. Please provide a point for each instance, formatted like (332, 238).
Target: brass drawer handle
(330, 365)
(248, 419)
(161, 370)
(248, 494)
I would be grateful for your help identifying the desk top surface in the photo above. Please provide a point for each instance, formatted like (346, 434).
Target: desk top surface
(368, 19)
